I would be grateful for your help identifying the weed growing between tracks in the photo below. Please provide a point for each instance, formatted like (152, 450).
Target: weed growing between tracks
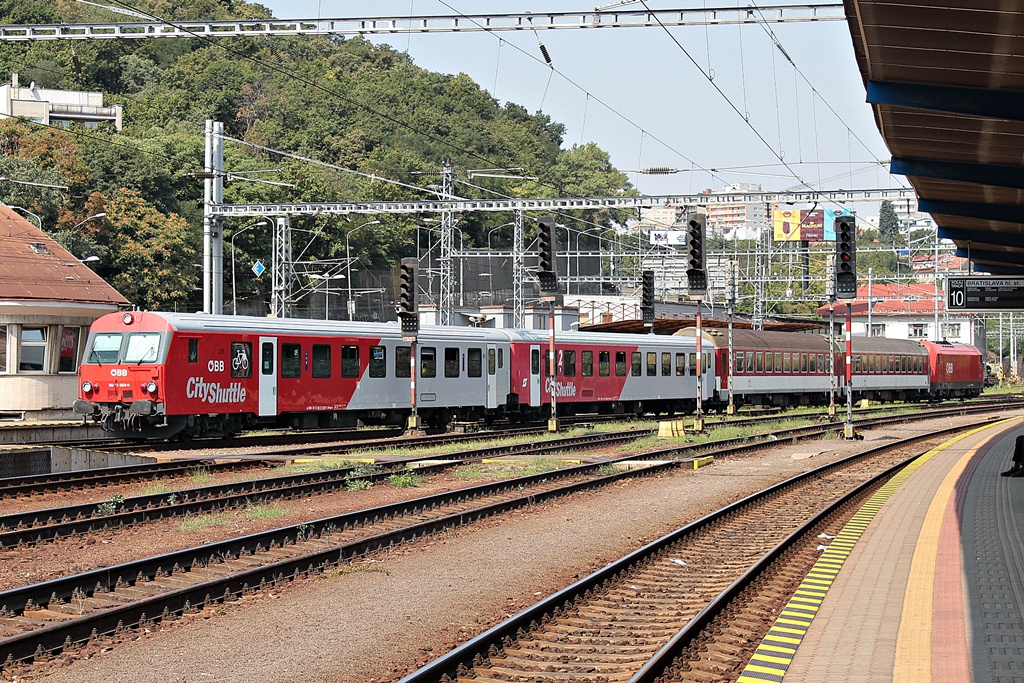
(200, 475)
(406, 479)
(250, 512)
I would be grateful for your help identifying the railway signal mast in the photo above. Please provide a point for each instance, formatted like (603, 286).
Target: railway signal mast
(846, 288)
(647, 300)
(697, 287)
(410, 320)
(548, 276)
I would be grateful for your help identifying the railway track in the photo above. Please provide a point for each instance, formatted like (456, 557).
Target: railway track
(39, 526)
(48, 617)
(651, 615)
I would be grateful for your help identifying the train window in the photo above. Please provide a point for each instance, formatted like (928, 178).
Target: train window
(652, 364)
(193, 350)
(803, 362)
(737, 362)
(569, 363)
(680, 364)
(856, 363)
(501, 358)
(786, 366)
(620, 363)
(920, 365)
(768, 366)
(759, 361)
(604, 363)
(241, 359)
(534, 362)
(267, 358)
(637, 364)
(491, 367)
(321, 360)
(821, 362)
(349, 360)
(291, 360)
(141, 348)
(813, 367)
(105, 348)
(587, 363)
(693, 364)
(474, 362)
(379, 361)
(428, 362)
(750, 361)
(403, 361)
(778, 362)
(451, 362)
(891, 363)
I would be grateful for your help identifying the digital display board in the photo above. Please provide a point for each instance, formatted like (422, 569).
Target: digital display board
(987, 293)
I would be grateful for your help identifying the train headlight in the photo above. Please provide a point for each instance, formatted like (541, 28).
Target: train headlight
(127, 318)
(86, 387)
(151, 387)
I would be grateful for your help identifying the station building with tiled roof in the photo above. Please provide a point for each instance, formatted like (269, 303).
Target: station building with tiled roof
(48, 300)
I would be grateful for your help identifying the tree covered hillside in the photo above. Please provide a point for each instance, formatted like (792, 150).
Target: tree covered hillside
(345, 102)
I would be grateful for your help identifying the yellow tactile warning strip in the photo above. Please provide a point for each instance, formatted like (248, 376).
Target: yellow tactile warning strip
(773, 656)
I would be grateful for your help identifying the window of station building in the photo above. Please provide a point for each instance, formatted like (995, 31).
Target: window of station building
(587, 363)
(620, 363)
(786, 365)
(637, 365)
(693, 364)
(737, 362)
(475, 362)
(241, 359)
(759, 361)
(569, 363)
(193, 351)
(918, 331)
(491, 361)
(379, 361)
(604, 363)
(70, 339)
(680, 364)
(403, 356)
(321, 360)
(652, 363)
(451, 362)
(778, 362)
(428, 362)
(349, 361)
(666, 365)
(33, 349)
(950, 330)
(291, 360)
(3, 348)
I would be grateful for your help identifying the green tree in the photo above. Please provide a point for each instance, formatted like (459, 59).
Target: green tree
(888, 224)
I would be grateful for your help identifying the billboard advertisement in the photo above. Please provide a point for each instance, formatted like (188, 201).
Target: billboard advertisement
(803, 225)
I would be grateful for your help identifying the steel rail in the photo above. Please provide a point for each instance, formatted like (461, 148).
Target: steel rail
(463, 656)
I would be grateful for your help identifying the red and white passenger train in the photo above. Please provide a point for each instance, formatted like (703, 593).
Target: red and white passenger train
(158, 375)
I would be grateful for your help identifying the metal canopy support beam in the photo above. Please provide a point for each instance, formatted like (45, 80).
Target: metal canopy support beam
(988, 256)
(981, 174)
(1005, 213)
(384, 25)
(984, 102)
(996, 269)
(1002, 239)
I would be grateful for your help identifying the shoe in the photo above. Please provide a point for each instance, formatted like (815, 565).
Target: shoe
(1018, 473)
(1011, 472)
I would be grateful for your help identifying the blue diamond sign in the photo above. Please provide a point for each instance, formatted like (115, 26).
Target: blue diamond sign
(258, 268)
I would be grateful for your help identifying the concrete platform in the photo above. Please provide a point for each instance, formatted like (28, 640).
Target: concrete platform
(926, 583)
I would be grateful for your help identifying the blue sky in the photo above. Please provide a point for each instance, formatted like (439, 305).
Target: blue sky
(666, 113)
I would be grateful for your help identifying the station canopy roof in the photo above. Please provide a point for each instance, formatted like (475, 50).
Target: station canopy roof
(946, 83)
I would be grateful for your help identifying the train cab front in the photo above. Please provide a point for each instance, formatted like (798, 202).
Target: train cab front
(120, 378)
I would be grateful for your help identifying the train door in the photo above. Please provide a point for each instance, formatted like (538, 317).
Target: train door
(491, 375)
(268, 376)
(535, 375)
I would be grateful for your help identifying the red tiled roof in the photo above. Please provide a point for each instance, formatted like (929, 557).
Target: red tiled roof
(33, 267)
(892, 299)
